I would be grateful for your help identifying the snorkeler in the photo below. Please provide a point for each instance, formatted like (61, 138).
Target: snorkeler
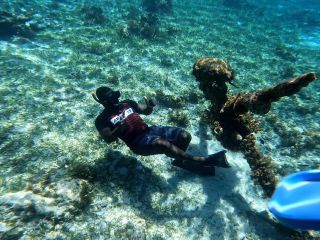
(122, 120)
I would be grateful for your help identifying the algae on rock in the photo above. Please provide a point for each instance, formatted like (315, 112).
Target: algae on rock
(231, 117)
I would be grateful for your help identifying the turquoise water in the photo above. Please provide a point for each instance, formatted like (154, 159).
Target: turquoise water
(59, 180)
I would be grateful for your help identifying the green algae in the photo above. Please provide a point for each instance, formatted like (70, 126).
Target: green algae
(47, 83)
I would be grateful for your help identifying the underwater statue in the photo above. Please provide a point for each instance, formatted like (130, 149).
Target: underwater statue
(231, 117)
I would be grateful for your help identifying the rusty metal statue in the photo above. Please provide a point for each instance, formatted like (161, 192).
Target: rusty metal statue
(231, 117)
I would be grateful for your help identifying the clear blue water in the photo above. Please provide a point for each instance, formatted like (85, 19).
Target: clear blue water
(52, 61)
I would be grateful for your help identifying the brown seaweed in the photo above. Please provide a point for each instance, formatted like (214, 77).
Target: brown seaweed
(232, 117)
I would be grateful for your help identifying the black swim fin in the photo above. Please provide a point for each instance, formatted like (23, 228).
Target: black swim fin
(200, 169)
(218, 159)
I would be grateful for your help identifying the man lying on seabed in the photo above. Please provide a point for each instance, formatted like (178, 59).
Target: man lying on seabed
(122, 120)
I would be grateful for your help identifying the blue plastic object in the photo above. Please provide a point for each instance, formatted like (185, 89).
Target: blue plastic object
(296, 201)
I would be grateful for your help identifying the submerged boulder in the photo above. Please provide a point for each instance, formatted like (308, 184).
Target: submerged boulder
(43, 203)
(12, 25)
(93, 15)
(29, 205)
(146, 25)
(157, 6)
(212, 75)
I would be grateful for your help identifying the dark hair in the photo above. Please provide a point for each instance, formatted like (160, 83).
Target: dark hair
(102, 92)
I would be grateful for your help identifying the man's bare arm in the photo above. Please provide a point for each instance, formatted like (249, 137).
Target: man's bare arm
(111, 135)
(146, 108)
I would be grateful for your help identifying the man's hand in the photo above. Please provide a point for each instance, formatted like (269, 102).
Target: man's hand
(112, 135)
(122, 126)
(150, 102)
(145, 108)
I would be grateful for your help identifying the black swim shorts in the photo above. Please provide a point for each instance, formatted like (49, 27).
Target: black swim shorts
(142, 145)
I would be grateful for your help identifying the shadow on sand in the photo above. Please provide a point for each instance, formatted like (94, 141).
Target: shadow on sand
(221, 214)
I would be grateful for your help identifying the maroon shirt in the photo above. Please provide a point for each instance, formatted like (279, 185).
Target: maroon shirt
(125, 112)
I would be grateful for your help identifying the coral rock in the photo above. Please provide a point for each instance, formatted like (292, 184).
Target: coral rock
(30, 205)
(156, 6)
(260, 102)
(11, 25)
(231, 117)
(213, 70)
(93, 15)
(212, 74)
